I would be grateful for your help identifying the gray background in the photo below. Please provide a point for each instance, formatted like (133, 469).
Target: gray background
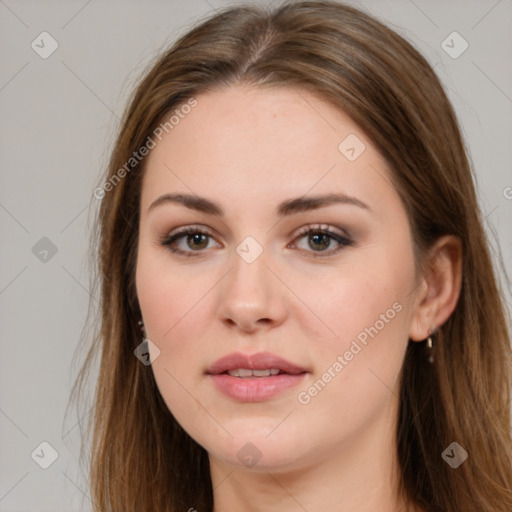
(58, 118)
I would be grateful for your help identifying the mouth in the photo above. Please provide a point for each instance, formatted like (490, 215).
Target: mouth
(246, 373)
(254, 378)
(260, 364)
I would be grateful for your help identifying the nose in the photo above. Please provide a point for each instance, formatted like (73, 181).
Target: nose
(252, 297)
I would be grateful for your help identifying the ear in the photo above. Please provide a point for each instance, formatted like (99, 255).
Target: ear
(439, 287)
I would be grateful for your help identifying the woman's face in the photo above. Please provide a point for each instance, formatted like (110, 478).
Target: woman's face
(336, 304)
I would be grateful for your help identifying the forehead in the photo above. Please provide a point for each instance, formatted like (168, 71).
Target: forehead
(270, 123)
(263, 145)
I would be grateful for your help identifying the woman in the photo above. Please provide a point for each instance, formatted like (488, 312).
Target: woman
(299, 310)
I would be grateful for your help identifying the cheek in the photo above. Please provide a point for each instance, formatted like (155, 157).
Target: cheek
(365, 311)
(358, 297)
(177, 309)
(172, 308)
(168, 297)
(356, 371)
(367, 321)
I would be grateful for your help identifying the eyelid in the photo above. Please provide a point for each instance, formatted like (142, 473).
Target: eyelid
(190, 228)
(321, 227)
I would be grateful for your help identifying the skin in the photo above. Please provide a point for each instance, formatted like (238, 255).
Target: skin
(248, 149)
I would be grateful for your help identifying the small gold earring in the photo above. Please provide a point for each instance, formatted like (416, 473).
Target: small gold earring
(430, 346)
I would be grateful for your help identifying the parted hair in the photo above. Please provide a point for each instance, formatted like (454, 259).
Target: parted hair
(141, 460)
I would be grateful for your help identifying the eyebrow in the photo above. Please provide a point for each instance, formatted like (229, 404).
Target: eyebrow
(289, 207)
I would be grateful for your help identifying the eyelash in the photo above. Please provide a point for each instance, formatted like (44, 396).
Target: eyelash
(343, 241)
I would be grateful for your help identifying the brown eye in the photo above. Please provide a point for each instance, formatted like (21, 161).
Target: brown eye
(192, 240)
(319, 239)
(197, 238)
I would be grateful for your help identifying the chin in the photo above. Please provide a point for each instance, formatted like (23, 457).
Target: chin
(256, 452)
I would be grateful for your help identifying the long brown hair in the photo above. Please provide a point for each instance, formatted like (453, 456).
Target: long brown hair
(141, 459)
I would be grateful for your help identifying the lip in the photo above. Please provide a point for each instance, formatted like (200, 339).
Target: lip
(254, 389)
(257, 361)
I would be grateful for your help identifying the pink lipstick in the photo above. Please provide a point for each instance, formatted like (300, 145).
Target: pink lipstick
(254, 377)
